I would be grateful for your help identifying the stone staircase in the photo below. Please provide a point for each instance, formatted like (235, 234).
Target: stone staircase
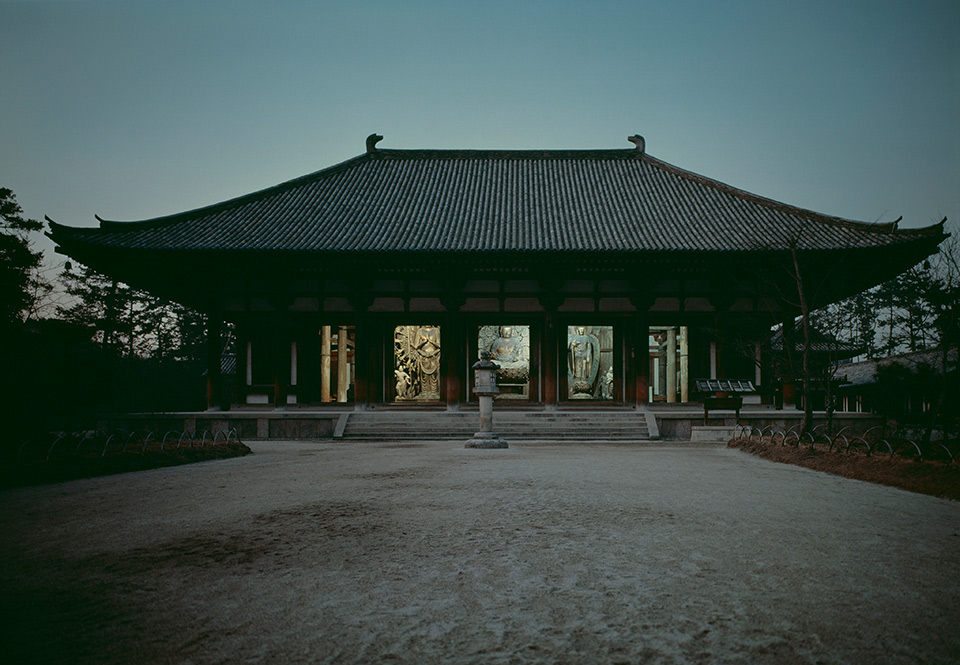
(564, 426)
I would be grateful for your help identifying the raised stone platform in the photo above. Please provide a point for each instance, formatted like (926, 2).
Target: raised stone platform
(249, 424)
(669, 422)
(704, 433)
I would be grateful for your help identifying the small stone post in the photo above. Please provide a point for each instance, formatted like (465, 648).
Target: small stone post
(485, 387)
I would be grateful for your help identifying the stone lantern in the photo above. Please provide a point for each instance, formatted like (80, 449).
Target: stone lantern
(485, 387)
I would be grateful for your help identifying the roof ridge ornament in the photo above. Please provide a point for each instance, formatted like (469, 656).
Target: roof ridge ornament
(372, 142)
(638, 141)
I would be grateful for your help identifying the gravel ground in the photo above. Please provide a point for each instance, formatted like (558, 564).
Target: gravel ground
(428, 553)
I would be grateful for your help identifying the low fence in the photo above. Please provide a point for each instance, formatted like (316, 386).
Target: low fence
(98, 444)
(879, 440)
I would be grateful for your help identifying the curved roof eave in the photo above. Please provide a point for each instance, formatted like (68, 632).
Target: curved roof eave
(117, 225)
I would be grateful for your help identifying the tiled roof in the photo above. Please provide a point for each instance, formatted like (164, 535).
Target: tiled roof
(621, 201)
(819, 342)
(865, 372)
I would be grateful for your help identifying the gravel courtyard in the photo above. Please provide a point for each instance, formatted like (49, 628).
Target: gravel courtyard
(432, 553)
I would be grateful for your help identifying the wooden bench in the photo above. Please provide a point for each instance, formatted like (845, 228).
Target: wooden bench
(721, 403)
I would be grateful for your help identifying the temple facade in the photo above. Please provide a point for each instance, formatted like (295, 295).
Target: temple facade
(594, 277)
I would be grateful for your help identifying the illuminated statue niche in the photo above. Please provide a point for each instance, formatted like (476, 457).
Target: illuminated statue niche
(417, 362)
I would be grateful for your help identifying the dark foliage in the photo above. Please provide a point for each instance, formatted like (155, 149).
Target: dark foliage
(20, 284)
(60, 380)
(14, 473)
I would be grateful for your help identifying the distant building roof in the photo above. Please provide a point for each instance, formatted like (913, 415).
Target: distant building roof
(466, 201)
(819, 342)
(865, 372)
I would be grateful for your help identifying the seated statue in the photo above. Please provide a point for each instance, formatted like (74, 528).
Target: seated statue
(507, 350)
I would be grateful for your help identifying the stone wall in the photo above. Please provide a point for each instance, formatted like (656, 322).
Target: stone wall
(248, 425)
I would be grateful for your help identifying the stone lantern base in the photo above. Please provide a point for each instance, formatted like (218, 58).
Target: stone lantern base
(486, 440)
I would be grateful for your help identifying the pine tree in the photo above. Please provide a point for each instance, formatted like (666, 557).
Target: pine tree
(21, 284)
(102, 305)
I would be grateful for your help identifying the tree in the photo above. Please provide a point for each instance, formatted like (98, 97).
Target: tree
(102, 305)
(942, 292)
(862, 322)
(834, 342)
(21, 284)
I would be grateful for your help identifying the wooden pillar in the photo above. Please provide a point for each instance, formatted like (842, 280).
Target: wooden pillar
(248, 362)
(214, 351)
(281, 360)
(552, 335)
(554, 338)
(452, 344)
(640, 385)
(717, 365)
(293, 371)
(241, 376)
(684, 365)
(363, 339)
(757, 365)
(367, 353)
(672, 365)
(642, 379)
(721, 301)
(343, 377)
(325, 364)
(789, 353)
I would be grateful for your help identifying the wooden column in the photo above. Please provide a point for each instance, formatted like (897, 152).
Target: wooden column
(722, 303)
(343, 379)
(672, 365)
(789, 339)
(633, 354)
(325, 344)
(367, 340)
(214, 351)
(293, 371)
(551, 337)
(684, 365)
(454, 342)
(554, 338)
(453, 345)
(240, 378)
(281, 360)
(362, 339)
(642, 377)
(639, 386)
(248, 362)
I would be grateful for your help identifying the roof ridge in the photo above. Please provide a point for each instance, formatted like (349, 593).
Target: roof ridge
(468, 153)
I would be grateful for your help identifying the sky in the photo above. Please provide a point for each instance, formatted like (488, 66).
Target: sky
(136, 109)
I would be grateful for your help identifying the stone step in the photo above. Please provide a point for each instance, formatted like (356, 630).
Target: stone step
(497, 425)
(504, 435)
(612, 426)
(458, 433)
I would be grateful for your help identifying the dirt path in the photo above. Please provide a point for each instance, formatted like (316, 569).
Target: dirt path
(433, 553)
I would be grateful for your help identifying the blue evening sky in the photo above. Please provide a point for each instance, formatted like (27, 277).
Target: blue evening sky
(138, 109)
